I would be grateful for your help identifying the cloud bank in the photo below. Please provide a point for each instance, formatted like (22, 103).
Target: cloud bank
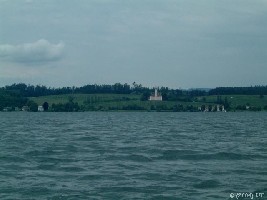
(40, 51)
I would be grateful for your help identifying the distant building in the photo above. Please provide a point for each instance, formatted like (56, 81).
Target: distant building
(7, 109)
(25, 108)
(218, 108)
(40, 109)
(156, 96)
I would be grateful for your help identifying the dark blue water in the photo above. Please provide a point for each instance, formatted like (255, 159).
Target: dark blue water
(99, 155)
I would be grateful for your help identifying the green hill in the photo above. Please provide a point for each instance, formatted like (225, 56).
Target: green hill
(95, 102)
(116, 102)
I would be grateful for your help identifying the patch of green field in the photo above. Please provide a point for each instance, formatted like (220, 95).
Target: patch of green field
(112, 102)
(82, 98)
(252, 100)
(133, 102)
(237, 100)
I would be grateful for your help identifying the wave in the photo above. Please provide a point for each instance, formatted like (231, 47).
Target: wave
(194, 155)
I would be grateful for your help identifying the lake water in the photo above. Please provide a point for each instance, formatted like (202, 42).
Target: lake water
(130, 155)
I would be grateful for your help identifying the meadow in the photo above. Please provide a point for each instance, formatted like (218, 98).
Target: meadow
(88, 102)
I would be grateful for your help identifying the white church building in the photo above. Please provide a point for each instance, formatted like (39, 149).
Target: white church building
(156, 96)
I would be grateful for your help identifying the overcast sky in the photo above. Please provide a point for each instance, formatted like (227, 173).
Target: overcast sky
(174, 43)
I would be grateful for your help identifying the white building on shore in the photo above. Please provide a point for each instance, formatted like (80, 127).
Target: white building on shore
(156, 96)
(40, 108)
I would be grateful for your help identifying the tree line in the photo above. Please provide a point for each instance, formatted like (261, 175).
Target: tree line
(25, 90)
(9, 99)
(41, 90)
(253, 90)
(169, 94)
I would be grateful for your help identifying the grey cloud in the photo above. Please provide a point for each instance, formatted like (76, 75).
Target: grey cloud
(40, 51)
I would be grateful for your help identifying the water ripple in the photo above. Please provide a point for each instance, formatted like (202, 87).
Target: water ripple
(132, 155)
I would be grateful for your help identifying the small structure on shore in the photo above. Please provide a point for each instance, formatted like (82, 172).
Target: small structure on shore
(156, 96)
(218, 108)
(25, 108)
(40, 109)
(212, 108)
(7, 109)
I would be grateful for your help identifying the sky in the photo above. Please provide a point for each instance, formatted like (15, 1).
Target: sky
(173, 43)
